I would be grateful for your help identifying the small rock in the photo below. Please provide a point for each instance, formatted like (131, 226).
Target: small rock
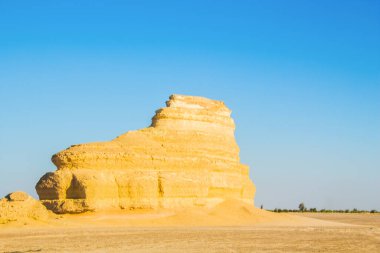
(17, 196)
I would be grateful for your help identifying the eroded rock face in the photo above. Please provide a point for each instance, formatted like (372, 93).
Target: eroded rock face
(187, 157)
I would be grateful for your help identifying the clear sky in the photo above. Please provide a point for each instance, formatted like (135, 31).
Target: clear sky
(302, 79)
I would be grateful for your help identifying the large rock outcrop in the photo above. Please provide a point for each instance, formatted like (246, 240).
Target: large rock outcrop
(187, 157)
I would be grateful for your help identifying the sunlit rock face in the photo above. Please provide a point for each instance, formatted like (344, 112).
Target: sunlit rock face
(187, 157)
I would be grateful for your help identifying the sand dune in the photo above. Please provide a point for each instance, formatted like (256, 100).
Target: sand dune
(229, 213)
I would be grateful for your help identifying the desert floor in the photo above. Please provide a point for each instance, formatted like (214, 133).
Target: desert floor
(317, 233)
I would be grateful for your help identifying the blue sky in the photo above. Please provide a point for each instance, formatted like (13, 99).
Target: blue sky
(302, 79)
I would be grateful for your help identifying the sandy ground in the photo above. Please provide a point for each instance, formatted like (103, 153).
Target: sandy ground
(229, 227)
(206, 239)
(101, 233)
(350, 218)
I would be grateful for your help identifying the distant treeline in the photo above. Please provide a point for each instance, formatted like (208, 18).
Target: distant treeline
(302, 208)
(315, 210)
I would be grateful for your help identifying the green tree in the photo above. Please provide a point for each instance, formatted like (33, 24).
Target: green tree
(302, 207)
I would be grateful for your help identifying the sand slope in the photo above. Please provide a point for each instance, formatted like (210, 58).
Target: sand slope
(231, 212)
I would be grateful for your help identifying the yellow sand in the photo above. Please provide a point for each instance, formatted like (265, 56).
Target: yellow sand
(229, 213)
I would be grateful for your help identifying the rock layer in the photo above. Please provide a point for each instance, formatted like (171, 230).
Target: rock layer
(187, 157)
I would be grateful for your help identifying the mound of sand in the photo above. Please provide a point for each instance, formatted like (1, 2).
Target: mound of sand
(231, 212)
(19, 207)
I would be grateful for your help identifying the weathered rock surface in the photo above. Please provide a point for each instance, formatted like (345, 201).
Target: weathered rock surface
(187, 157)
(20, 207)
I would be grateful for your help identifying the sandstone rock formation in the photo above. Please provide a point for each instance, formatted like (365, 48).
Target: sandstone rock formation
(187, 157)
(20, 207)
